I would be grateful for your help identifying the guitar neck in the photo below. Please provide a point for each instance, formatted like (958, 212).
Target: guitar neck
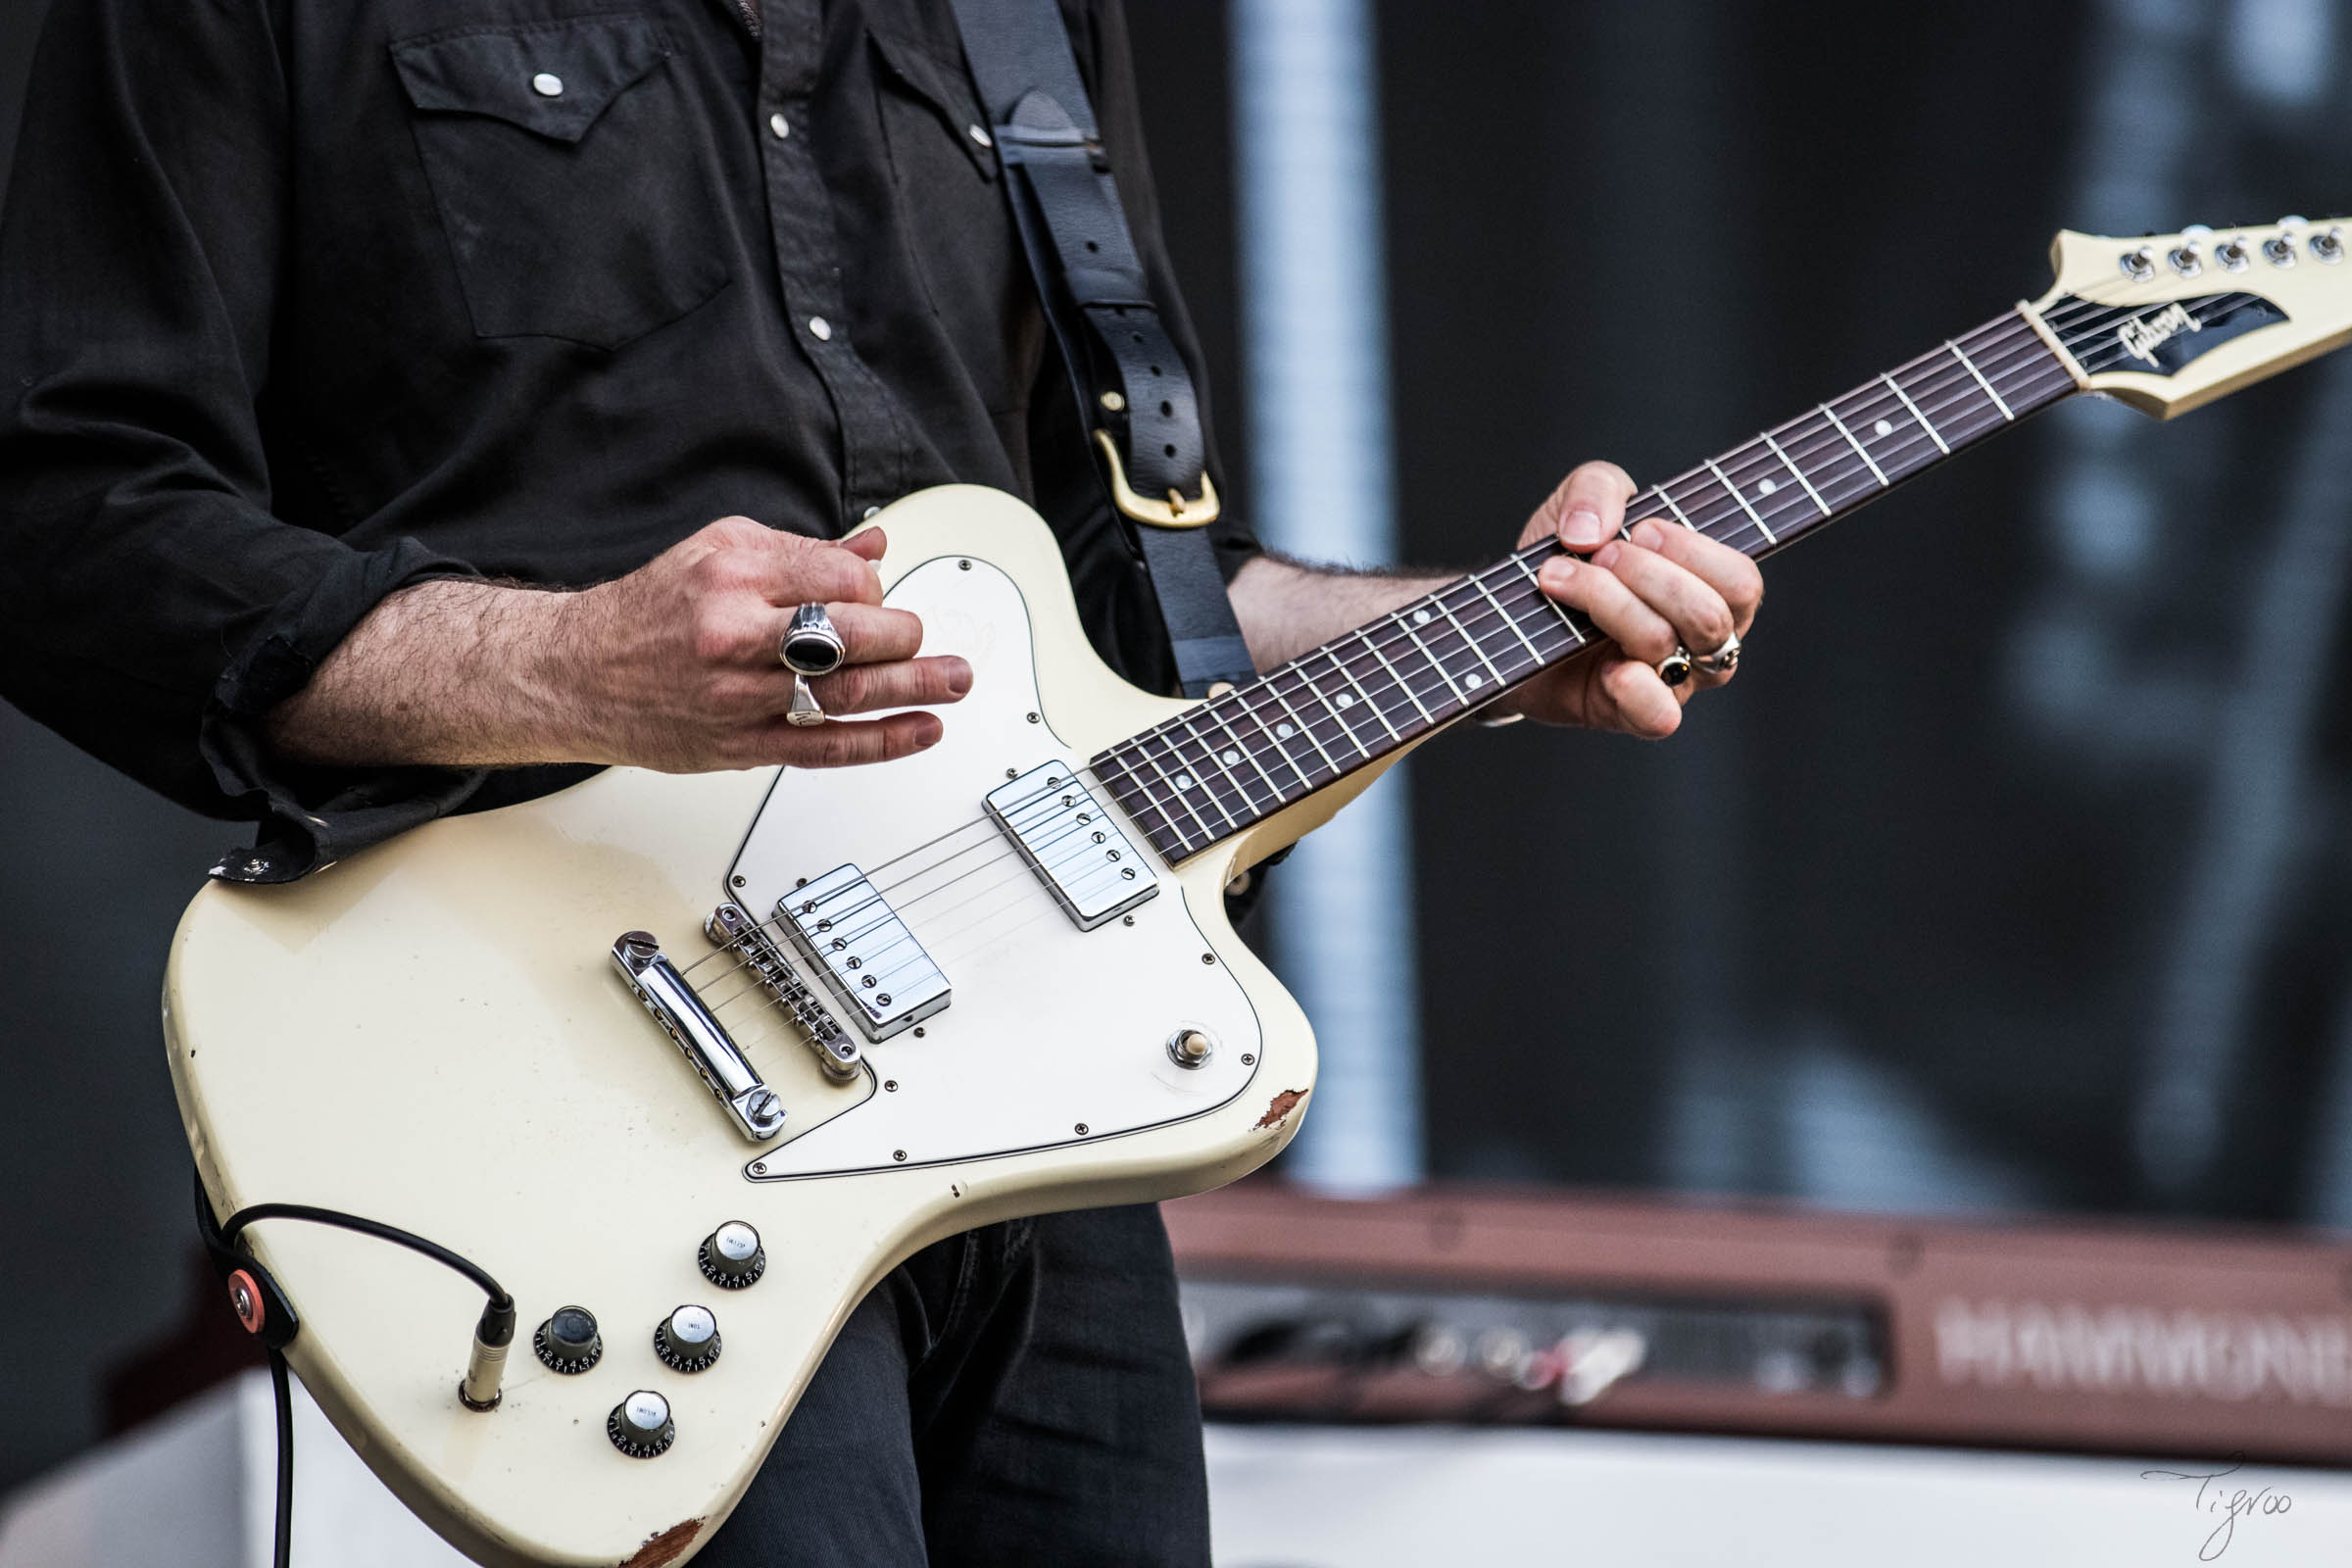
(1230, 762)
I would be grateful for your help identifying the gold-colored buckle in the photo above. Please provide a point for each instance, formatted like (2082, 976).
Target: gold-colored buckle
(1174, 512)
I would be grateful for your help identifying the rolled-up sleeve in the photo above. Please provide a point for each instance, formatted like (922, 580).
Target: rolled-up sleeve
(153, 606)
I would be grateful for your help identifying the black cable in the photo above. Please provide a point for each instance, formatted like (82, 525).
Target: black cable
(501, 1305)
(236, 1223)
(283, 1557)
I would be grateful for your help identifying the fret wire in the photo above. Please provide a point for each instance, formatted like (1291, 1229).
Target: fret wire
(1733, 490)
(1348, 676)
(1207, 837)
(1337, 713)
(1213, 751)
(1405, 716)
(1410, 695)
(1396, 619)
(1455, 621)
(1932, 434)
(1172, 742)
(1799, 473)
(1242, 743)
(1860, 451)
(1273, 741)
(1558, 610)
(1167, 830)
(1970, 366)
(1667, 494)
(1302, 726)
(1480, 582)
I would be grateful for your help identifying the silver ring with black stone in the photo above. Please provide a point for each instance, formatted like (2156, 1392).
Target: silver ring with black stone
(811, 646)
(1722, 660)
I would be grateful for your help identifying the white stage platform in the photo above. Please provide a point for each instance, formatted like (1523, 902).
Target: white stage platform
(193, 1491)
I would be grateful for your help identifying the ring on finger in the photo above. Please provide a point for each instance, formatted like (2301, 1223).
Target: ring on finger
(1675, 668)
(1722, 660)
(811, 646)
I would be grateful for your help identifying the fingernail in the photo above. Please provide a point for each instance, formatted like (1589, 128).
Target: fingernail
(1554, 574)
(959, 676)
(1606, 555)
(1648, 535)
(1582, 527)
(927, 735)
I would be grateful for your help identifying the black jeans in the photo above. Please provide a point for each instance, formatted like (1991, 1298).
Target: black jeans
(1019, 1393)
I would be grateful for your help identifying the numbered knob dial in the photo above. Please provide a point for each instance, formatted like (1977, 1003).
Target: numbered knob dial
(567, 1342)
(688, 1339)
(732, 1258)
(639, 1425)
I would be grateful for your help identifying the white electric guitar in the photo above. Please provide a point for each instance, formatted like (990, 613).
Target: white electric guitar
(992, 979)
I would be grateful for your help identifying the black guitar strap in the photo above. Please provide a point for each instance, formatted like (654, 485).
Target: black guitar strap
(1130, 385)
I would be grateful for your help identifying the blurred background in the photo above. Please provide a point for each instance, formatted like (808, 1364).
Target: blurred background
(2009, 880)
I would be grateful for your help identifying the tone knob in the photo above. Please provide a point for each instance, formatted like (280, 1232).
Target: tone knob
(732, 1258)
(688, 1339)
(639, 1425)
(567, 1342)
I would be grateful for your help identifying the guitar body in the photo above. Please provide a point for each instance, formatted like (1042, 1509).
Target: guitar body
(434, 1034)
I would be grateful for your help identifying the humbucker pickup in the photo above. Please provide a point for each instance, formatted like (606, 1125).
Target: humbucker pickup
(1072, 843)
(851, 936)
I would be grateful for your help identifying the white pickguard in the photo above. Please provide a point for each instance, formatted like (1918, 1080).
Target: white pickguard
(1052, 1030)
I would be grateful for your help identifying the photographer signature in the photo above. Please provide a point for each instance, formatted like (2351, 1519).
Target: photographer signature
(2232, 1504)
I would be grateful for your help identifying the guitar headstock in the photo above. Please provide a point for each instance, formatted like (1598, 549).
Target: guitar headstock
(2170, 322)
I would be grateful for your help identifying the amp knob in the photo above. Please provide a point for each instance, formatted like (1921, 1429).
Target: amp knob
(567, 1342)
(688, 1339)
(731, 1256)
(639, 1425)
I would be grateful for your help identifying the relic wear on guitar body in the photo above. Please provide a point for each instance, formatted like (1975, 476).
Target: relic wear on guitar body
(992, 979)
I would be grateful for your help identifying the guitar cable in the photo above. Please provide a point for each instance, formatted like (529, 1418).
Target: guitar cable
(262, 1309)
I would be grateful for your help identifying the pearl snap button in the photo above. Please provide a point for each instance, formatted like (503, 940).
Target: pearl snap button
(548, 85)
(820, 328)
(781, 126)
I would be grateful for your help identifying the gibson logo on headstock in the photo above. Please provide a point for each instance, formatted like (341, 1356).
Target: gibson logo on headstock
(2143, 335)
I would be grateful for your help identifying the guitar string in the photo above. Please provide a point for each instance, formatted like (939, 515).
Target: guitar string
(1949, 380)
(1999, 367)
(1998, 363)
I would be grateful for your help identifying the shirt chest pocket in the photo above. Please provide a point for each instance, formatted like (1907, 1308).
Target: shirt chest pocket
(561, 158)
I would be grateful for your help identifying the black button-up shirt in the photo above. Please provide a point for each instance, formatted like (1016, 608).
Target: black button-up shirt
(302, 301)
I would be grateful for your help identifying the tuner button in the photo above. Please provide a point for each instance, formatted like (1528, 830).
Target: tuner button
(2234, 255)
(567, 1342)
(2279, 251)
(639, 1425)
(2329, 247)
(687, 1339)
(2184, 260)
(2296, 220)
(731, 1256)
(2197, 231)
(2139, 266)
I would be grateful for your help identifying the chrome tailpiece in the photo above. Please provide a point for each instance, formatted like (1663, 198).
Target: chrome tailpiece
(756, 1107)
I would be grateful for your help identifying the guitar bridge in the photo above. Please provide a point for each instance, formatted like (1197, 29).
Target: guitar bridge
(732, 927)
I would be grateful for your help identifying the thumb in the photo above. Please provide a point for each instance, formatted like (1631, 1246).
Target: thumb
(866, 544)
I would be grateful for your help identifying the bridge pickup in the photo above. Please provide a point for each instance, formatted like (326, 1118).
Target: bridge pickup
(732, 927)
(756, 1110)
(867, 957)
(1072, 843)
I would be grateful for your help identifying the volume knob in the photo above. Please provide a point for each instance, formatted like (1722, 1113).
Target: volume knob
(639, 1425)
(567, 1342)
(731, 1256)
(688, 1339)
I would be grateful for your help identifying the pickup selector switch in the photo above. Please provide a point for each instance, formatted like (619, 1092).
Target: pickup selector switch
(688, 1339)
(567, 1342)
(639, 1425)
(731, 1256)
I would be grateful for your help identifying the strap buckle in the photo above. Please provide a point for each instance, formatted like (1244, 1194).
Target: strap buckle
(1175, 512)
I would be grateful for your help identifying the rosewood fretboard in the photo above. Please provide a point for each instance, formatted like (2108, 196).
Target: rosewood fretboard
(1235, 759)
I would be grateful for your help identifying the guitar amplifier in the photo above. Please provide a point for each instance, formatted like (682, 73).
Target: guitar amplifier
(1486, 1307)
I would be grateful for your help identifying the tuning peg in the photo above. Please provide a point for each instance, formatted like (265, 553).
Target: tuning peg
(2183, 257)
(2294, 221)
(2139, 266)
(2278, 250)
(2234, 254)
(2329, 247)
